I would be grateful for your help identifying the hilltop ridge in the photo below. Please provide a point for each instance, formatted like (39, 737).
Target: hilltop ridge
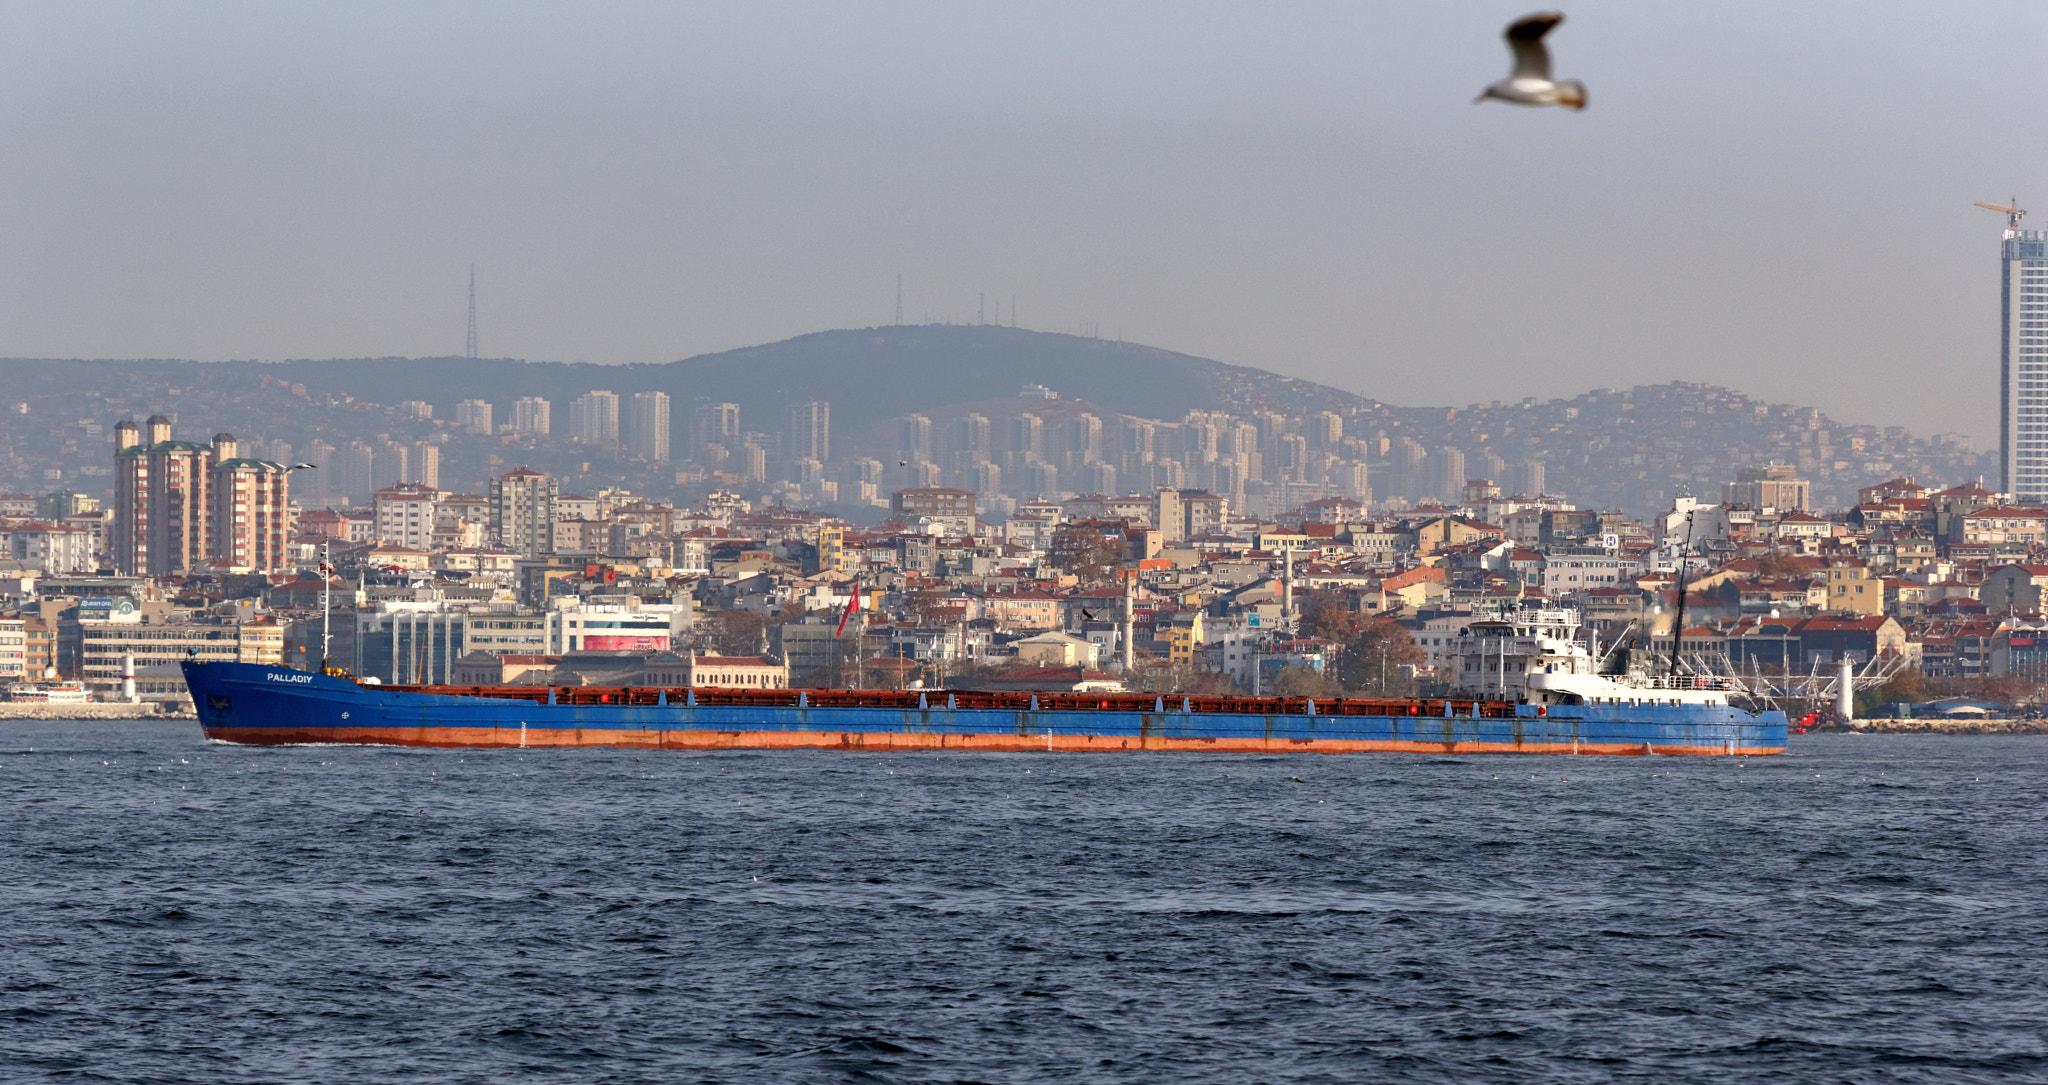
(1629, 449)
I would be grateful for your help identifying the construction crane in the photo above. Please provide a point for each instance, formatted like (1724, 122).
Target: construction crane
(2012, 214)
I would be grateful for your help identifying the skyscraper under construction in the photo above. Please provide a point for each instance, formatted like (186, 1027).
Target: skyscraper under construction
(2023, 361)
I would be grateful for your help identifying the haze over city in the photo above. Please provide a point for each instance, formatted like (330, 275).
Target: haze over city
(1774, 198)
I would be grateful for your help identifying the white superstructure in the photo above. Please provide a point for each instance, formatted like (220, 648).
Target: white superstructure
(1533, 655)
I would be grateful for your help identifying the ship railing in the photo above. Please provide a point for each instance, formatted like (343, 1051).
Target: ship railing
(1704, 682)
(979, 700)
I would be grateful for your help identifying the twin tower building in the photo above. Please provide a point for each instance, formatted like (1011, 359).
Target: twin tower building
(182, 507)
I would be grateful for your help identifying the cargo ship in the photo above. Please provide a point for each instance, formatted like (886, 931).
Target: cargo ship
(1523, 684)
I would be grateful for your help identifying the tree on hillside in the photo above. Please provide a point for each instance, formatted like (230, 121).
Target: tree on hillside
(1324, 615)
(1300, 680)
(1086, 552)
(1161, 676)
(1372, 661)
(734, 633)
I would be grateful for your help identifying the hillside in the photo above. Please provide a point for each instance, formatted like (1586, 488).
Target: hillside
(1628, 449)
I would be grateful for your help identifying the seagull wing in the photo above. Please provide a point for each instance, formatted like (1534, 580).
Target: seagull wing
(1525, 40)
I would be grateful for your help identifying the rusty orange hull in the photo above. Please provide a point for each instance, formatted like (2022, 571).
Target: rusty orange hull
(886, 742)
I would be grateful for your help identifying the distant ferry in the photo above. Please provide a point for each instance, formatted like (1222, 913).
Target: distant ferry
(1525, 684)
(49, 693)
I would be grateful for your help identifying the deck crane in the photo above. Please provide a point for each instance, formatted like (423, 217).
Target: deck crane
(2012, 214)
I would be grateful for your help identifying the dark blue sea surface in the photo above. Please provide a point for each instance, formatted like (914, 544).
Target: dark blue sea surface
(1861, 909)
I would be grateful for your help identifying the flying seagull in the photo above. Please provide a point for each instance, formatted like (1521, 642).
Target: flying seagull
(302, 466)
(1530, 82)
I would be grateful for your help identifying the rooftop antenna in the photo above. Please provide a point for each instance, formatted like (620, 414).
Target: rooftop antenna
(472, 312)
(2012, 214)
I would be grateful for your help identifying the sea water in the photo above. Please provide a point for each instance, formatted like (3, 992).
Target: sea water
(1860, 909)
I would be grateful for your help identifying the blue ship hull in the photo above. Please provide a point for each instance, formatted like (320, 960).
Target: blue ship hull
(265, 705)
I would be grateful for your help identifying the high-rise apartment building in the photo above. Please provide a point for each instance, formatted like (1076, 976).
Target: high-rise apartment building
(251, 509)
(2023, 366)
(530, 416)
(914, 438)
(353, 470)
(714, 424)
(426, 464)
(393, 465)
(810, 432)
(474, 415)
(594, 418)
(318, 479)
(406, 514)
(523, 511)
(647, 425)
(179, 506)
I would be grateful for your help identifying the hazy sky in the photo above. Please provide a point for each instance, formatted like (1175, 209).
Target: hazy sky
(1770, 196)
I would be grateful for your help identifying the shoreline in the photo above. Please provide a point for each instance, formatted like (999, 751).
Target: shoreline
(1943, 727)
(148, 710)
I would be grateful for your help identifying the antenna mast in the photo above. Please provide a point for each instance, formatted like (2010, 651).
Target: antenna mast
(472, 312)
(899, 299)
(1678, 627)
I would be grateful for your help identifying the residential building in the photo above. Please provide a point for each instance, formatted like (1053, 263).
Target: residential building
(56, 550)
(474, 416)
(251, 510)
(13, 649)
(2013, 587)
(647, 425)
(426, 464)
(406, 514)
(715, 424)
(810, 432)
(523, 511)
(940, 501)
(530, 416)
(1854, 589)
(1775, 486)
(594, 418)
(179, 505)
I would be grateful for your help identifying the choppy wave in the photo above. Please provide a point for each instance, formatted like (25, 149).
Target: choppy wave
(1861, 910)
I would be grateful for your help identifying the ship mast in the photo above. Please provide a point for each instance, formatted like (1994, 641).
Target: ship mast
(1678, 629)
